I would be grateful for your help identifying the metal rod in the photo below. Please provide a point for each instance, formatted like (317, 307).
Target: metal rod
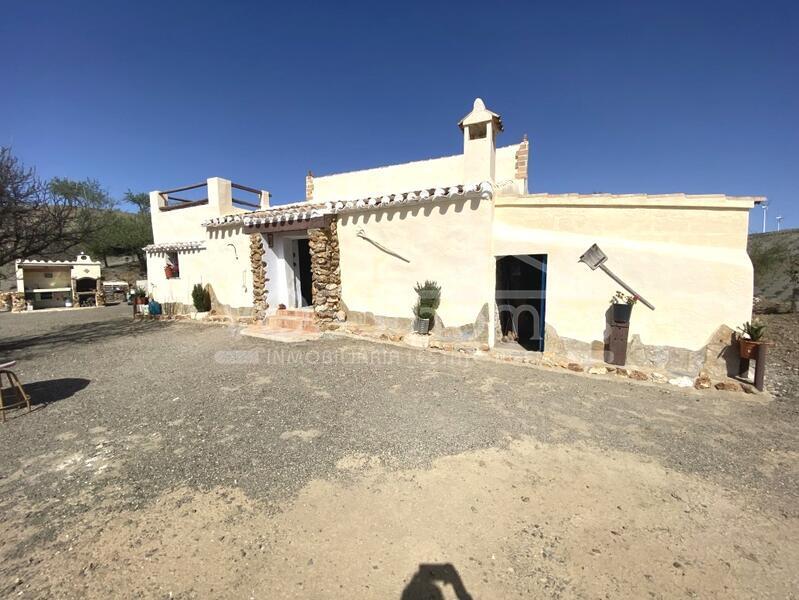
(238, 186)
(618, 280)
(185, 205)
(184, 188)
(361, 234)
(245, 203)
(760, 367)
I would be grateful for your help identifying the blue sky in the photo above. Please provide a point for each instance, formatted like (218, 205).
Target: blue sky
(697, 97)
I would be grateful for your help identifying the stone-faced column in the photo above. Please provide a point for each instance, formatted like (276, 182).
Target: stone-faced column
(99, 295)
(18, 302)
(259, 279)
(326, 273)
(75, 299)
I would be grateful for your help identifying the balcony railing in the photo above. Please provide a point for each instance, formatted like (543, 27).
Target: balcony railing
(172, 202)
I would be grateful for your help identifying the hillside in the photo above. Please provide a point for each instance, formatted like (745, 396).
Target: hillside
(771, 255)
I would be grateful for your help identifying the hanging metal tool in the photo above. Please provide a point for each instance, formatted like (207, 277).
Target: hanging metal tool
(594, 257)
(361, 234)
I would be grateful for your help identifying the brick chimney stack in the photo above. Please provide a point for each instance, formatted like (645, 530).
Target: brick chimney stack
(522, 158)
(309, 186)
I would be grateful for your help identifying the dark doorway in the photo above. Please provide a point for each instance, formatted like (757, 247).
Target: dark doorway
(521, 299)
(304, 270)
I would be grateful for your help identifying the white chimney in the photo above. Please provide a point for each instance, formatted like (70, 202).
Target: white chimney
(480, 128)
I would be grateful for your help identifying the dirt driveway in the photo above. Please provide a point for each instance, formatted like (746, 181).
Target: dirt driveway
(175, 460)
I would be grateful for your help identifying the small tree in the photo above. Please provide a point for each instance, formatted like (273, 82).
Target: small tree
(38, 218)
(201, 297)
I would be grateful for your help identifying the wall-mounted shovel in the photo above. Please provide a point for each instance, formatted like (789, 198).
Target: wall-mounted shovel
(594, 257)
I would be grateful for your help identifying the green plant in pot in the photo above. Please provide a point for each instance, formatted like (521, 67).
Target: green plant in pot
(139, 296)
(751, 337)
(201, 297)
(623, 306)
(429, 297)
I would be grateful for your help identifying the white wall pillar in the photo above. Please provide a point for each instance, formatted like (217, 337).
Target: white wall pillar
(265, 197)
(156, 202)
(20, 274)
(220, 196)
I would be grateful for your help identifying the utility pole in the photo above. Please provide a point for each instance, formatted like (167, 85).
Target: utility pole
(765, 209)
(779, 222)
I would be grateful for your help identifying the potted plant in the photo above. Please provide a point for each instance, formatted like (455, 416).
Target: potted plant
(139, 296)
(424, 311)
(751, 338)
(201, 297)
(623, 306)
(423, 315)
(170, 271)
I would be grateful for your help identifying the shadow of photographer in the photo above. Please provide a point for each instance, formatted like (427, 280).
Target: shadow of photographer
(424, 585)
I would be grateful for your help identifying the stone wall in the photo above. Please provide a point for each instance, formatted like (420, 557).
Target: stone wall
(259, 278)
(18, 302)
(718, 358)
(99, 295)
(326, 274)
(5, 301)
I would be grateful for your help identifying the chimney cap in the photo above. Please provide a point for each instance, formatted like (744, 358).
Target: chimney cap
(480, 114)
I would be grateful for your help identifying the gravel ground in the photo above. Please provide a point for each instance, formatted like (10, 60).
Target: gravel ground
(184, 460)
(782, 372)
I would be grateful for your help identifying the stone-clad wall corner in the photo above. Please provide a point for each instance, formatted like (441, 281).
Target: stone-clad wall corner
(326, 273)
(259, 279)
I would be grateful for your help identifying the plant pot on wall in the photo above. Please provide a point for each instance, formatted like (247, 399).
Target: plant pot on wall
(748, 348)
(421, 325)
(622, 312)
(169, 271)
(751, 338)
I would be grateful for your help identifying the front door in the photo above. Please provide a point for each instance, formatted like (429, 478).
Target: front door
(301, 262)
(521, 299)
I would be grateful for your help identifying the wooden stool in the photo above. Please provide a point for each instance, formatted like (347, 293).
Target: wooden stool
(22, 399)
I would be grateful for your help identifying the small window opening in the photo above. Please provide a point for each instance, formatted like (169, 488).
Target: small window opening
(48, 275)
(477, 131)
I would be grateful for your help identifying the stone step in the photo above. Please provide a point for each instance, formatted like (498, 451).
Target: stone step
(299, 323)
(273, 334)
(295, 312)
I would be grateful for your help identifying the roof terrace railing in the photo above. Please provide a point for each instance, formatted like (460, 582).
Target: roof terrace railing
(172, 202)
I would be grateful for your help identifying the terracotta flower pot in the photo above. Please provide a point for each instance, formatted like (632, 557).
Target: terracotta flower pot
(748, 348)
(169, 271)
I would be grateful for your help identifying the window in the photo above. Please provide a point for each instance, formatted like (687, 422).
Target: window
(46, 295)
(48, 275)
(172, 267)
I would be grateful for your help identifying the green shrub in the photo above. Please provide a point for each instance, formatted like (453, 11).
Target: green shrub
(429, 294)
(423, 312)
(428, 300)
(201, 297)
(753, 331)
